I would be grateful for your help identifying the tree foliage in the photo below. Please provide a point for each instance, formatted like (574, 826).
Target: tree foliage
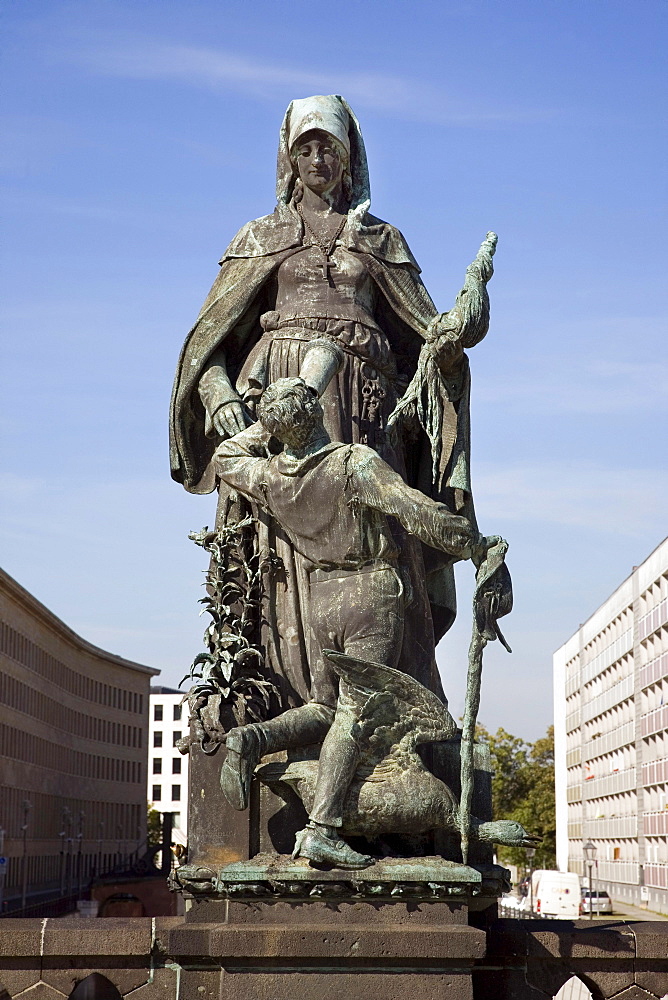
(153, 827)
(523, 790)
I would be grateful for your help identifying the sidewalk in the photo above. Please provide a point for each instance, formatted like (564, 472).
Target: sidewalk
(635, 912)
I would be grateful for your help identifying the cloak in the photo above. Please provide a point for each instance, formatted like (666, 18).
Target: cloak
(229, 321)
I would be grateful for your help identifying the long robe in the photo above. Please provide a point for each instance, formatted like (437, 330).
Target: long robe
(230, 320)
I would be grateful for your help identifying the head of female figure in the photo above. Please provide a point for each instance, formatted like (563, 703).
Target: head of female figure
(320, 162)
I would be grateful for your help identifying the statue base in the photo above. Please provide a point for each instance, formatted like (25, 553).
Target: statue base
(274, 877)
(260, 926)
(276, 929)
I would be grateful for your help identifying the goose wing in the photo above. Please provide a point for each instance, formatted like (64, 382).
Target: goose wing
(393, 706)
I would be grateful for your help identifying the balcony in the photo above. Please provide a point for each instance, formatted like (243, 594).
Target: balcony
(619, 871)
(654, 671)
(612, 828)
(610, 784)
(656, 875)
(655, 824)
(573, 683)
(655, 772)
(574, 793)
(575, 862)
(655, 721)
(574, 757)
(653, 620)
(620, 737)
(614, 651)
(574, 833)
(619, 692)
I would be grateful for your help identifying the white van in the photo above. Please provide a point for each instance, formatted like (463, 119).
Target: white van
(556, 894)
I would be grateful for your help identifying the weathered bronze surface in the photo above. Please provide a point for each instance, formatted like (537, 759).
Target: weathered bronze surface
(327, 399)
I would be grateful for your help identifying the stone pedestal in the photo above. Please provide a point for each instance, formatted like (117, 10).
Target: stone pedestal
(260, 925)
(326, 948)
(280, 929)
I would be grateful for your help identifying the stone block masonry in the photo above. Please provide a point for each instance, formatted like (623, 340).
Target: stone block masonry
(254, 953)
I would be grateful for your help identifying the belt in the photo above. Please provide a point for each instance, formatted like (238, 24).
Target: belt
(336, 573)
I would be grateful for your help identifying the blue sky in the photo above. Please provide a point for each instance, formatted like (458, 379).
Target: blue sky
(142, 134)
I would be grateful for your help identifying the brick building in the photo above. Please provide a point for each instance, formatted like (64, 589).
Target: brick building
(73, 750)
(611, 738)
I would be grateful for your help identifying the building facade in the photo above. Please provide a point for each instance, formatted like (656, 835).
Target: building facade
(167, 778)
(611, 739)
(73, 750)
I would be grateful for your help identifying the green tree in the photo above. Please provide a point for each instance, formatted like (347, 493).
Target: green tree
(523, 790)
(153, 827)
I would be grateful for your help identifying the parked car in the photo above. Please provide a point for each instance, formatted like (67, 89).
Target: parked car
(596, 901)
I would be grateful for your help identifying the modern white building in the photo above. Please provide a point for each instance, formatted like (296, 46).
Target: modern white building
(167, 768)
(611, 739)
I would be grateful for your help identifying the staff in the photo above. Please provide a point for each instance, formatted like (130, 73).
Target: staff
(492, 599)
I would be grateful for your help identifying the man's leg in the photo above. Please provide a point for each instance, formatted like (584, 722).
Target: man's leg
(371, 629)
(298, 727)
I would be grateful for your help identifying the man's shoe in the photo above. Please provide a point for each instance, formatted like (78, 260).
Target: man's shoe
(315, 845)
(243, 756)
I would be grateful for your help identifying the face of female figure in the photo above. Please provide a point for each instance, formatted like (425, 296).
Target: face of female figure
(319, 162)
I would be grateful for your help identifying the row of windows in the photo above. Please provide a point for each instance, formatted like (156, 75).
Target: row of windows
(101, 820)
(19, 745)
(176, 765)
(157, 793)
(176, 714)
(24, 651)
(16, 694)
(157, 738)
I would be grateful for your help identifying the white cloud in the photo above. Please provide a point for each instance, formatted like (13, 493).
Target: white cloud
(626, 501)
(129, 57)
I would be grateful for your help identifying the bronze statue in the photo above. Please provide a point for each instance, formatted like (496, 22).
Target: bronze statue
(333, 502)
(350, 495)
(321, 266)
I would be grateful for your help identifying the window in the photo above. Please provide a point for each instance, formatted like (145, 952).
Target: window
(157, 713)
(157, 765)
(176, 765)
(176, 736)
(157, 739)
(157, 793)
(176, 793)
(178, 709)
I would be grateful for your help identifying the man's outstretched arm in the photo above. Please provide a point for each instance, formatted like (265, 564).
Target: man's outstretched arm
(380, 487)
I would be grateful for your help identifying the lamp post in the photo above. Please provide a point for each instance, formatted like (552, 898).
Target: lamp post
(100, 838)
(589, 850)
(67, 844)
(530, 853)
(82, 817)
(27, 806)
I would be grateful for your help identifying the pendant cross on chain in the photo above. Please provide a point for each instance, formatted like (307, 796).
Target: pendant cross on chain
(327, 265)
(326, 249)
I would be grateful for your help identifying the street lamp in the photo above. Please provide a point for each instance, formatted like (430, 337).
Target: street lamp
(27, 806)
(589, 851)
(530, 853)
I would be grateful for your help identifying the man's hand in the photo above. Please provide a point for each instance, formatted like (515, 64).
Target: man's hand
(443, 337)
(447, 351)
(229, 419)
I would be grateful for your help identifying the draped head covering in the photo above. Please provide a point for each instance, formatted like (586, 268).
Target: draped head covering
(332, 114)
(325, 113)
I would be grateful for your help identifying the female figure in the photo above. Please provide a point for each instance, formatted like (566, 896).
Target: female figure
(322, 267)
